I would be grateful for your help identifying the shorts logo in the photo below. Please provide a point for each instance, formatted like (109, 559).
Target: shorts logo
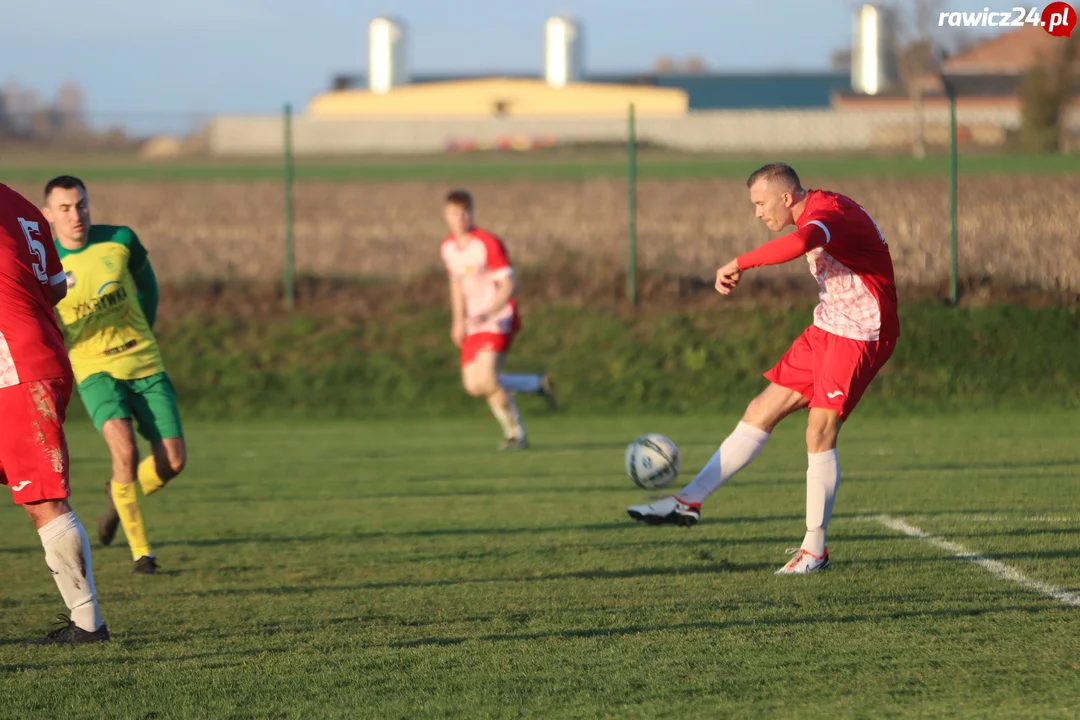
(835, 394)
(22, 486)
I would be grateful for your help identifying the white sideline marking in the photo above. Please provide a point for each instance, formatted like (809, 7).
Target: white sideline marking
(996, 567)
(965, 518)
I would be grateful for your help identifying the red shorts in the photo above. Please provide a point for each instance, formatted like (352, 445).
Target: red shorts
(830, 371)
(477, 343)
(33, 450)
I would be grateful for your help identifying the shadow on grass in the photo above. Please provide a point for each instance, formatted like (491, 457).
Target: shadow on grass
(714, 566)
(719, 625)
(721, 566)
(64, 661)
(619, 525)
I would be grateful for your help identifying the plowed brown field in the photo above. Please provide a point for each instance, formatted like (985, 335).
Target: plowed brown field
(1019, 230)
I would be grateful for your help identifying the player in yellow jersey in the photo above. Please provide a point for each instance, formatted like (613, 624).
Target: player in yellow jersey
(108, 319)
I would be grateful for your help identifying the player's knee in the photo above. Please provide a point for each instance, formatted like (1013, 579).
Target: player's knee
(761, 413)
(472, 386)
(170, 459)
(754, 410)
(176, 463)
(480, 384)
(822, 431)
(489, 386)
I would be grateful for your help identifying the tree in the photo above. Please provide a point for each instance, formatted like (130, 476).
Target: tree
(840, 59)
(1044, 94)
(915, 49)
(69, 105)
(916, 58)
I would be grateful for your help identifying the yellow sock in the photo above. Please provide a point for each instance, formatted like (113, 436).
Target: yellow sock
(148, 477)
(126, 499)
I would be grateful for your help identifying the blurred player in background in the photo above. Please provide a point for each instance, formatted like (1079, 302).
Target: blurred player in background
(108, 319)
(485, 318)
(827, 369)
(35, 388)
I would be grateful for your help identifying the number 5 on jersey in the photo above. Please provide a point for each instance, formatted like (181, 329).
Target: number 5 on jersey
(31, 230)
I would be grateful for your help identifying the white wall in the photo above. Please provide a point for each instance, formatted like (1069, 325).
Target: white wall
(717, 131)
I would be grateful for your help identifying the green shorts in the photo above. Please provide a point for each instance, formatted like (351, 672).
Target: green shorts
(151, 401)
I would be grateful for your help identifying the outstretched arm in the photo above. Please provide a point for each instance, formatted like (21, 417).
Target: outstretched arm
(785, 248)
(775, 252)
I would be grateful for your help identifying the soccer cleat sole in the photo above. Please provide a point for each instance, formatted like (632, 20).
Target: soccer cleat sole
(672, 519)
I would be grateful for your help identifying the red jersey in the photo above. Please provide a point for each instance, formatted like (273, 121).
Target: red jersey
(31, 344)
(477, 262)
(849, 258)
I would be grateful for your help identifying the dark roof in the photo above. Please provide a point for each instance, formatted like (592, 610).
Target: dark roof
(971, 85)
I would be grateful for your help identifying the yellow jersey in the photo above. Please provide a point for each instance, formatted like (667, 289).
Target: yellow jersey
(106, 326)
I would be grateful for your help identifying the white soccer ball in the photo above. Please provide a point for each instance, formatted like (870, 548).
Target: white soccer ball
(652, 461)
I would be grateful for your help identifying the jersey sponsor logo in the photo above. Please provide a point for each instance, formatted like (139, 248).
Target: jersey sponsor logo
(22, 486)
(70, 279)
(123, 348)
(104, 303)
(32, 231)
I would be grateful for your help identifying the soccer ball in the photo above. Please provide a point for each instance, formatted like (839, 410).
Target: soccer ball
(652, 461)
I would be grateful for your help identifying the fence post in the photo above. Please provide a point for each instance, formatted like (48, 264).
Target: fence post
(290, 253)
(631, 176)
(954, 289)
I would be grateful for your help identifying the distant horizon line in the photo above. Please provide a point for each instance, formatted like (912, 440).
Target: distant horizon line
(613, 73)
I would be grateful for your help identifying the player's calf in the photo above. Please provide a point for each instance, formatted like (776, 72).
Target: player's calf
(67, 554)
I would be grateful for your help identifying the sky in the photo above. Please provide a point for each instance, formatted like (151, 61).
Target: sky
(144, 58)
(143, 62)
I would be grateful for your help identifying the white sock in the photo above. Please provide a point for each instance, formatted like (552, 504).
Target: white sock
(67, 553)
(509, 418)
(735, 453)
(822, 482)
(521, 383)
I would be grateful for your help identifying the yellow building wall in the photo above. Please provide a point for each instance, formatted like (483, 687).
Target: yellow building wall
(517, 97)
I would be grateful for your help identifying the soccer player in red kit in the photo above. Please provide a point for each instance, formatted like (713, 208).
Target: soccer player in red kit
(485, 318)
(35, 387)
(827, 369)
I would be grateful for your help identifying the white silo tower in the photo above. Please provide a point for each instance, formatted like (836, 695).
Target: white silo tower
(562, 51)
(873, 49)
(388, 62)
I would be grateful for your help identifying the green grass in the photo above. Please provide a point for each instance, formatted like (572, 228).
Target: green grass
(400, 361)
(402, 570)
(561, 165)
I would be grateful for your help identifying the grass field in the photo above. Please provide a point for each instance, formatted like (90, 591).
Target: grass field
(37, 167)
(405, 570)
